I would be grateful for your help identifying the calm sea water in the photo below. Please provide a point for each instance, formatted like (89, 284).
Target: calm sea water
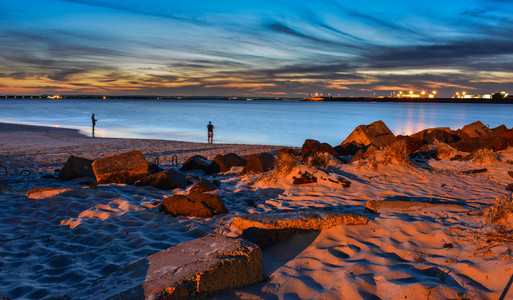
(253, 122)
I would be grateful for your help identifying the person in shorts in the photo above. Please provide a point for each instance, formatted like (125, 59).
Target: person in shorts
(210, 129)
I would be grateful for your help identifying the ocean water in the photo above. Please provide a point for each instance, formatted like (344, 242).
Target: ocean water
(270, 122)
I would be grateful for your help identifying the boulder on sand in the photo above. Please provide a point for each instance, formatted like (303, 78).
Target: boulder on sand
(76, 167)
(196, 162)
(314, 146)
(194, 205)
(166, 180)
(259, 163)
(348, 149)
(122, 168)
(376, 133)
(196, 269)
(409, 143)
(227, 161)
(271, 228)
(203, 186)
(476, 130)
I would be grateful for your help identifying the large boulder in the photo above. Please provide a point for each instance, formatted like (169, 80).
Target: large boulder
(194, 205)
(203, 186)
(122, 168)
(271, 228)
(227, 161)
(288, 152)
(196, 269)
(196, 162)
(503, 132)
(422, 134)
(476, 130)
(348, 149)
(76, 167)
(495, 143)
(259, 163)
(409, 143)
(166, 180)
(314, 146)
(441, 136)
(376, 133)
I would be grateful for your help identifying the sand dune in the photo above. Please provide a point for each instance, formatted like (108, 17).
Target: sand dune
(64, 243)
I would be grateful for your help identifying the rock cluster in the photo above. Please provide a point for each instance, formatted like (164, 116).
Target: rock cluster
(472, 137)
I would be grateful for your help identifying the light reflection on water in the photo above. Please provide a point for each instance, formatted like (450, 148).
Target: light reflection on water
(254, 122)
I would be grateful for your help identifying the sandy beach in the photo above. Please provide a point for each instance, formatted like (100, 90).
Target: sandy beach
(65, 243)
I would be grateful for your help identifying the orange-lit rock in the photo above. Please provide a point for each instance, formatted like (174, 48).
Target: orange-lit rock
(376, 133)
(122, 168)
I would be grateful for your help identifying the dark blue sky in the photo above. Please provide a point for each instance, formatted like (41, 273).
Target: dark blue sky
(264, 47)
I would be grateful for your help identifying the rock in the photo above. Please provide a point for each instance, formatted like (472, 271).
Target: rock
(421, 135)
(76, 167)
(499, 130)
(510, 187)
(510, 173)
(441, 136)
(166, 180)
(259, 163)
(194, 205)
(196, 162)
(271, 228)
(476, 130)
(154, 168)
(496, 143)
(287, 152)
(474, 171)
(196, 269)
(376, 133)
(410, 144)
(43, 193)
(213, 168)
(468, 145)
(376, 205)
(348, 149)
(122, 168)
(311, 220)
(227, 161)
(305, 178)
(203, 186)
(363, 153)
(314, 146)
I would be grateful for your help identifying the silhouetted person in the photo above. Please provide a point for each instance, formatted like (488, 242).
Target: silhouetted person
(210, 129)
(93, 120)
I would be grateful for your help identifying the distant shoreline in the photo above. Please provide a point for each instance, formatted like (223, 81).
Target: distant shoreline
(307, 99)
(407, 100)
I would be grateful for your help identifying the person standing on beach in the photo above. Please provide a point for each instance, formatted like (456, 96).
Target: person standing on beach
(93, 120)
(210, 129)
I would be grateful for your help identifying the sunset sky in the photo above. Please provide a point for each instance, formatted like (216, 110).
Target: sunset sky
(260, 48)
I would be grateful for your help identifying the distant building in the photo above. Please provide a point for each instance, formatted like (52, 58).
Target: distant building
(464, 95)
(412, 94)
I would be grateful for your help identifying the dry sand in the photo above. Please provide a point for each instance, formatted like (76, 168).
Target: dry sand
(63, 243)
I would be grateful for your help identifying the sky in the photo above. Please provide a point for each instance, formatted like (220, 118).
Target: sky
(255, 48)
